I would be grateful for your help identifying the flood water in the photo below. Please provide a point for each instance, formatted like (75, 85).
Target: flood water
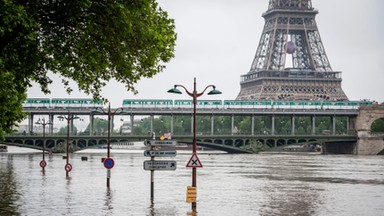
(261, 184)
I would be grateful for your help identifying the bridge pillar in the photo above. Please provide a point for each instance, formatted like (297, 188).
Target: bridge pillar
(152, 119)
(333, 125)
(91, 118)
(253, 125)
(273, 124)
(50, 127)
(369, 143)
(212, 124)
(351, 122)
(171, 123)
(111, 122)
(191, 124)
(313, 125)
(30, 123)
(132, 119)
(293, 125)
(232, 123)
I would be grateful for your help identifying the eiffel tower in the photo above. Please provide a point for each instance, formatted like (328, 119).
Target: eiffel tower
(290, 61)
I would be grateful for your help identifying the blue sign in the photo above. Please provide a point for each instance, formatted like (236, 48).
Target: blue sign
(109, 163)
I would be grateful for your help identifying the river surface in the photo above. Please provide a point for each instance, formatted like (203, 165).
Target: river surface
(261, 184)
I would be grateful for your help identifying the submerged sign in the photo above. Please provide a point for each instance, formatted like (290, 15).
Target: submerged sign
(160, 142)
(159, 165)
(165, 153)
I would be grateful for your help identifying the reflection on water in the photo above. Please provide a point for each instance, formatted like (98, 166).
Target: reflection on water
(8, 189)
(261, 184)
(108, 202)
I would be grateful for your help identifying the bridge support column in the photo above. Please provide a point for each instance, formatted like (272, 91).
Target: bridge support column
(50, 127)
(71, 124)
(369, 144)
(212, 124)
(313, 119)
(132, 119)
(111, 123)
(232, 124)
(293, 125)
(152, 119)
(333, 125)
(253, 125)
(171, 124)
(191, 124)
(30, 124)
(91, 118)
(351, 122)
(273, 124)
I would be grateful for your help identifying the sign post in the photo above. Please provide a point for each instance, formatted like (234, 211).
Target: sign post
(153, 165)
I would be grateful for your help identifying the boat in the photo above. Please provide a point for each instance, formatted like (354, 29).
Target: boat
(3, 148)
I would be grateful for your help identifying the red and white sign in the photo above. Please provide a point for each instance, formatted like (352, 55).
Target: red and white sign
(68, 167)
(194, 162)
(43, 163)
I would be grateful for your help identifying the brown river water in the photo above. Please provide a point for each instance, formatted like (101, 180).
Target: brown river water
(260, 184)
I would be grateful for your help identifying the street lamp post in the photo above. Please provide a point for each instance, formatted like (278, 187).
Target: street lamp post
(194, 96)
(110, 114)
(43, 163)
(68, 166)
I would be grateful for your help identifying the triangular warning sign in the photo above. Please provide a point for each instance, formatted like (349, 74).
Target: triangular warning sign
(194, 161)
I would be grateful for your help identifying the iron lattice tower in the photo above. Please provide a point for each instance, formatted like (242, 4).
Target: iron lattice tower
(290, 61)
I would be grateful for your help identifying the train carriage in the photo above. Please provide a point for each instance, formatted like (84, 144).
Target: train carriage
(229, 104)
(75, 102)
(37, 102)
(183, 104)
(147, 103)
(217, 104)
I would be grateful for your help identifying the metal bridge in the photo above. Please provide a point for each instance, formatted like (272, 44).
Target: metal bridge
(228, 143)
(232, 141)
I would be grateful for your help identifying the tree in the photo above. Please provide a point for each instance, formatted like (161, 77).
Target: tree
(378, 126)
(99, 126)
(88, 41)
(64, 130)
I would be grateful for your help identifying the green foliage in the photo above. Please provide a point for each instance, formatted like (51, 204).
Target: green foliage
(88, 41)
(63, 131)
(99, 126)
(18, 60)
(378, 126)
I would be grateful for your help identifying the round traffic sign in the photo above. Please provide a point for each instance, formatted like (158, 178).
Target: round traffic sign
(68, 167)
(43, 163)
(109, 163)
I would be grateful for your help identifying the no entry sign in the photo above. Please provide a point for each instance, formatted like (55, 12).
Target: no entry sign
(109, 163)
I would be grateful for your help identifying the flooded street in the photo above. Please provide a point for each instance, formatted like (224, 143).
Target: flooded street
(261, 184)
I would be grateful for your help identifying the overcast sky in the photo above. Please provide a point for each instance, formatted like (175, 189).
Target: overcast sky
(217, 41)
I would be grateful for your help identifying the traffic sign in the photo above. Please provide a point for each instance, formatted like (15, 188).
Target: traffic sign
(160, 142)
(153, 153)
(109, 163)
(43, 163)
(194, 161)
(68, 167)
(159, 165)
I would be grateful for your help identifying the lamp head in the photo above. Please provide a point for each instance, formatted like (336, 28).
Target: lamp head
(214, 92)
(174, 91)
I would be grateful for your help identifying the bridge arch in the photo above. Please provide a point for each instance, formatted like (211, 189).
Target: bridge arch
(369, 143)
(368, 115)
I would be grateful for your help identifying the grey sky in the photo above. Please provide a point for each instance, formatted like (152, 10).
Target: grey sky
(217, 41)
